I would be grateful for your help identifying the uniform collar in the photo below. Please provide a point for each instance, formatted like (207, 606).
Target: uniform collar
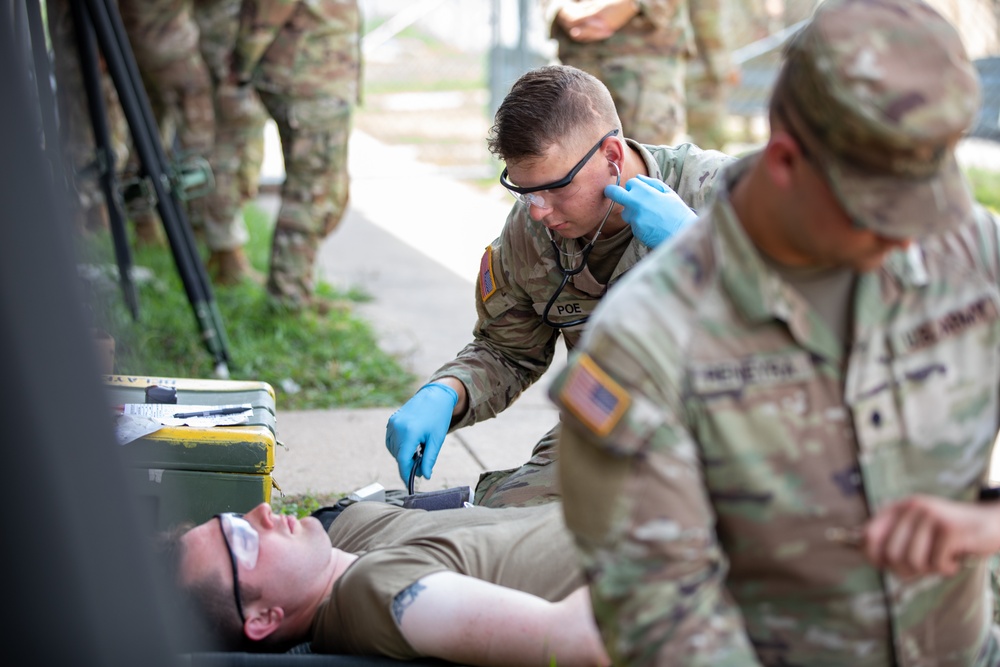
(761, 295)
(652, 168)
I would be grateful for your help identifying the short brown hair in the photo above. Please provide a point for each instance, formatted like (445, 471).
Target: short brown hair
(208, 599)
(547, 104)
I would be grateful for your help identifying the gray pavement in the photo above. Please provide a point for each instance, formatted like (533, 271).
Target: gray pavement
(412, 239)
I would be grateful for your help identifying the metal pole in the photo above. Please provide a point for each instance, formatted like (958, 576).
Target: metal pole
(87, 49)
(124, 71)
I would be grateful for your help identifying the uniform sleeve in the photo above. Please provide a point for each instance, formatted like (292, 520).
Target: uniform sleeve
(706, 22)
(260, 21)
(635, 500)
(512, 348)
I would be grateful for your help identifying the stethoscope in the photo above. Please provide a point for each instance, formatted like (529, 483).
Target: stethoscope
(569, 273)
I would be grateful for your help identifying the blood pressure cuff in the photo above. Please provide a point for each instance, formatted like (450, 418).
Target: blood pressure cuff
(443, 499)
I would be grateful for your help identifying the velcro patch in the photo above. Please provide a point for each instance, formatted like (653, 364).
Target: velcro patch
(596, 400)
(487, 285)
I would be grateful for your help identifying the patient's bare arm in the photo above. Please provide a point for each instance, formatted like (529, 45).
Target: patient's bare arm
(469, 621)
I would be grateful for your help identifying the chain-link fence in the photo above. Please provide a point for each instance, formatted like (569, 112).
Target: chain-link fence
(434, 70)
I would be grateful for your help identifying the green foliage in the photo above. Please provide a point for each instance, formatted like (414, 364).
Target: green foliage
(302, 505)
(312, 360)
(985, 187)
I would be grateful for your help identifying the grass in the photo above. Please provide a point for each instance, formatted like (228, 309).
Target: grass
(302, 505)
(985, 187)
(311, 360)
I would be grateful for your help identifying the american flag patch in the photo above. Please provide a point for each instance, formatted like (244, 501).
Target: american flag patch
(487, 286)
(595, 399)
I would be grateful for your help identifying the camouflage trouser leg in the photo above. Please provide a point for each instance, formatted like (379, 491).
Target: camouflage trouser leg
(648, 93)
(75, 129)
(534, 483)
(222, 209)
(164, 37)
(314, 134)
(239, 126)
(706, 109)
(185, 95)
(253, 157)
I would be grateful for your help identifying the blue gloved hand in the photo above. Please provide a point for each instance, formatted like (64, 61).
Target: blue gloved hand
(424, 419)
(654, 211)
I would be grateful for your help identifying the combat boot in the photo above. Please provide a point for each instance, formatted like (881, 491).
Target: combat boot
(231, 267)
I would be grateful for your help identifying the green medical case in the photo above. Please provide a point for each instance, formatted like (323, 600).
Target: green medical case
(188, 473)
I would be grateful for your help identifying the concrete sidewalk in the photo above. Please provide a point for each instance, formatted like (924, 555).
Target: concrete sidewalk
(412, 239)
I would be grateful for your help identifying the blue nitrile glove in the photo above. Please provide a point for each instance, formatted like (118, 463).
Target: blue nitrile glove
(654, 211)
(424, 419)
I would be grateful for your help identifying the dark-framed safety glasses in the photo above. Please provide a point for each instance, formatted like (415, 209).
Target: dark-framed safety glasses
(243, 545)
(527, 194)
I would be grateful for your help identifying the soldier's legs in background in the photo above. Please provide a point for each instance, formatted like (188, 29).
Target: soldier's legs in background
(253, 156)
(76, 133)
(314, 135)
(238, 108)
(222, 209)
(534, 483)
(706, 109)
(648, 93)
(164, 38)
(238, 116)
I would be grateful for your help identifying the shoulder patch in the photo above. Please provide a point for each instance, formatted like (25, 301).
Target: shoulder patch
(487, 282)
(596, 399)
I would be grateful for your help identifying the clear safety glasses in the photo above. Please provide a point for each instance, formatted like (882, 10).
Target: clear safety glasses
(243, 544)
(534, 196)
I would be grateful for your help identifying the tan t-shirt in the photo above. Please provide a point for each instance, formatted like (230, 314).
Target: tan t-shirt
(527, 549)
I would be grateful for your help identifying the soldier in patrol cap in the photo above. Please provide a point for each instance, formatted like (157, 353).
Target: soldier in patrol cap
(777, 429)
(565, 243)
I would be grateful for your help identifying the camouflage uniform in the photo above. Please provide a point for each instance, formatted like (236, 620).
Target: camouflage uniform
(239, 125)
(642, 65)
(513, 347)
(304, 60)
(708, 76)
(719, 439)
(75, 129)
(718, 488)
(164, 39)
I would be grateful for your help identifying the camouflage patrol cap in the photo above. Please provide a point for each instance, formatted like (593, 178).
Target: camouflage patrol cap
(880, 91)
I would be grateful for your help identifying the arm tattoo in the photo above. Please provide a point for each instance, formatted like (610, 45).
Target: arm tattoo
(404, 599)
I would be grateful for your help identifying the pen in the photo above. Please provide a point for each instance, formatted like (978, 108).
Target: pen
(210, 413)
